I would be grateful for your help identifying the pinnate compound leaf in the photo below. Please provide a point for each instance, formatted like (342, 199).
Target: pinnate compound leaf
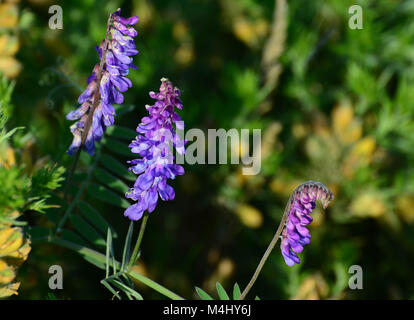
(105, 195)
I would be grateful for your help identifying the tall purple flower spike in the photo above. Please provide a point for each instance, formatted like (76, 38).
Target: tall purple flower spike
(105, 85)
(154, 142)
(295, 235)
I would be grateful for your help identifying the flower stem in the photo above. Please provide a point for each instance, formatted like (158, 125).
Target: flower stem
(98, 257)
(135, 253)
(266, 254)
(71, 172)
(78, 194)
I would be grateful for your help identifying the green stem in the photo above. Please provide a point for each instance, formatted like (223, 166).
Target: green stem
(79, 193)
(155, 286)
(267, 252)
(135, 253)
(70, 176)
(102, 259)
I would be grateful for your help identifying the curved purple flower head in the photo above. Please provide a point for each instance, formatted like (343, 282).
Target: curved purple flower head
(154, 144)
(106, 84)
(295, 235)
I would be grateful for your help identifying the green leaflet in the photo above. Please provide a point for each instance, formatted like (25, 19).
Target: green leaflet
(203, 295)
(236, 292)
(221, 292)
(105, 195)
(107, 285)
(121, 132)
(95, 218)
(108, 252)
(9, 134)
(127, 289)
(118, 147)
(87, 231)
(95, 262)
(127, 247)
(71, 236)
(110, 180)
(117, 167)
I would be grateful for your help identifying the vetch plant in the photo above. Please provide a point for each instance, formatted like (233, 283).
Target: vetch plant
(292, 231)
(154, 142)
(105, 85)
(96, 114)
(295, 234)
(292, 228)
(260, 120)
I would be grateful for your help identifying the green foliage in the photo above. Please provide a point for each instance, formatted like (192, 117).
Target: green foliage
(341, 112)
(236, 292)
(221, 292)
(21, 191)
(121, 279)
(47, 179)
(203, 295)
(98, 183)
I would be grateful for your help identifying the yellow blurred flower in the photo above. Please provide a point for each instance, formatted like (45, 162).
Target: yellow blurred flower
(314, 287)
(14, 247)
(7, 158)
(185, 54)
(299, 130)
(284, 187)
(250, 32)
(9, 44)
(405, 207)
(9, 290)
(368, 205)
(145, 11)
(239, 149)
(361, 154)
(225, 268)
(10, 67)
(340, 145)
(249, 216)
(180, 31)
(14, 250)
(364, 148)
(270, 141)
(347, 129)
(9, 14)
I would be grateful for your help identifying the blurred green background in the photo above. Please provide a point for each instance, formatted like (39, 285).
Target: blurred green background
(334, 104)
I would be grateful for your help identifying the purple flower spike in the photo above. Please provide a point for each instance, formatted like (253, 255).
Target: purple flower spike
(295, 235)
(154, 142)
(105, 85)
